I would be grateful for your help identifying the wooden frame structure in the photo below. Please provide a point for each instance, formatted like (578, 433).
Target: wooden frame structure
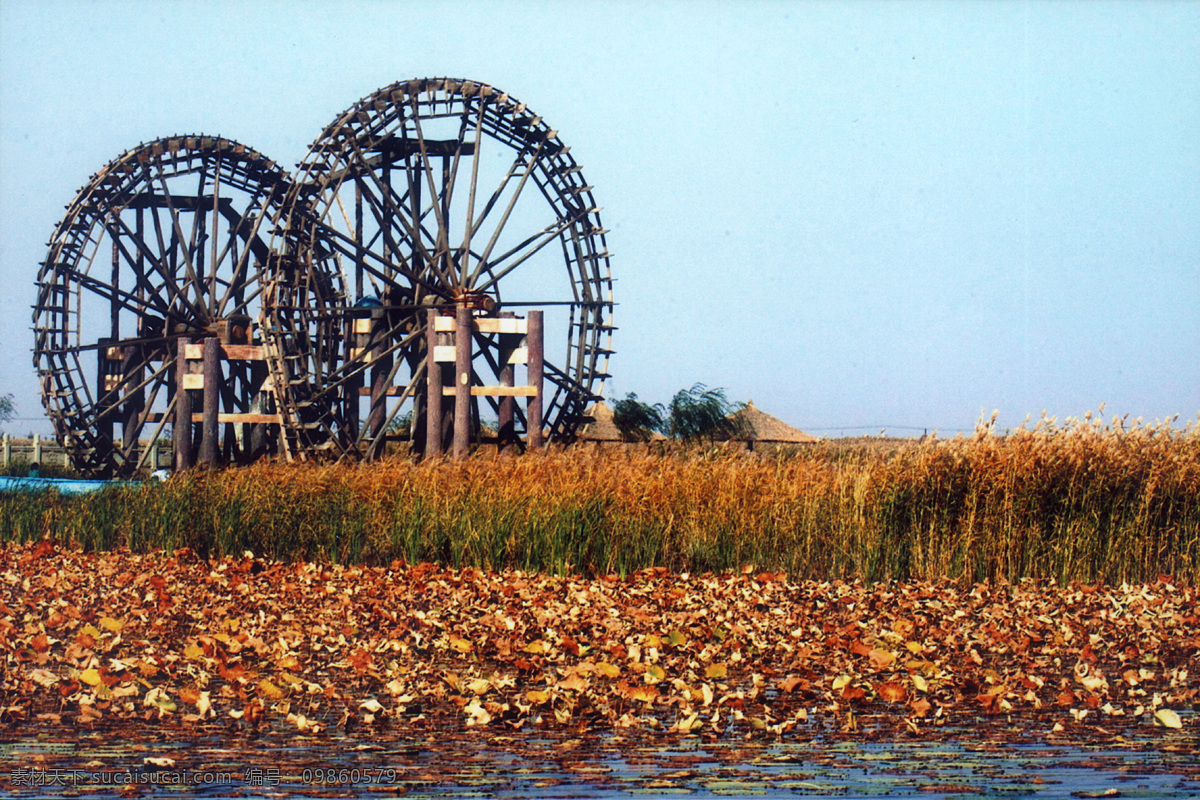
(523, 344)
(194, 283)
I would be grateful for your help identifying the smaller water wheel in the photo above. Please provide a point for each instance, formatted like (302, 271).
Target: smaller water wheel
(432, 194)
(169, 240)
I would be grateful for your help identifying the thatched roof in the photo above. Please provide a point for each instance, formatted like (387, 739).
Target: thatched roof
(770, 429)
(600, 427)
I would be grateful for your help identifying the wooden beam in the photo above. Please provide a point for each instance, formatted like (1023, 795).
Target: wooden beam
(445, 354)
(229, 352)
(444, 324)
(433, 394)
(243, 419)
(494, 391)
(181, 429)
(536, 369)
(209, 449)
(393, 391)
(462, 383)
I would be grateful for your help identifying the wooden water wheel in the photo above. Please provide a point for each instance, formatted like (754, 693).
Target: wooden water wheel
(169, 240)
(431, 194)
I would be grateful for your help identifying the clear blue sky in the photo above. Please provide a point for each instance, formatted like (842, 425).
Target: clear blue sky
(853, 213)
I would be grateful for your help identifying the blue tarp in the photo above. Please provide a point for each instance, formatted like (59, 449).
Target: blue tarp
(62, 485)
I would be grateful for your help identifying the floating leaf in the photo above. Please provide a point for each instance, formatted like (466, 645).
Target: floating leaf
(43, 677)
(642, 693)
(476, 714)
(110, 624)
(881, 659)
(1166, 718)
(91, 677)
(159, 699)
(608, 670)
(270, 690)
(716, 671)
(892, 692)
(573, 682)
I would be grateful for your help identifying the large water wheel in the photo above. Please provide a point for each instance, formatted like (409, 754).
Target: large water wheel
(169, 240)
(431, 194)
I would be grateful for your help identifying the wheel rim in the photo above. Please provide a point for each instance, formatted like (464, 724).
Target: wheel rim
(433, 194)
(169, 240)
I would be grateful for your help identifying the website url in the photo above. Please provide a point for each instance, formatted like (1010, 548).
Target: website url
(81, 777)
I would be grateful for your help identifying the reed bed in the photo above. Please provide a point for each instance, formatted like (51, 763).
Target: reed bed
(1082, 501)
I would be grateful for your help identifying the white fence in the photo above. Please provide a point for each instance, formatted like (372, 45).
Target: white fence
(47, 452)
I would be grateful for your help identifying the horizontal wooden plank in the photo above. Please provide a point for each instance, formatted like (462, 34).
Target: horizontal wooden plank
(502, 325)
(193, 381)
(244, 352)
(245, 419)
(495, 391)
(444, 354)
(363, 325)
(229, 352)
(484, 324)
(362, 355)
(392, 391)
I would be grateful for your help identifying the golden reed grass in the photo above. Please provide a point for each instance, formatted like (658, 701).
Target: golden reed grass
(1083, 501)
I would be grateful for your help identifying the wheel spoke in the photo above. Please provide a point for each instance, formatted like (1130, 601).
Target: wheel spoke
(487, 251)
(539, 240)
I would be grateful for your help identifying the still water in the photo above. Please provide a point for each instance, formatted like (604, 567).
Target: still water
(983, 761)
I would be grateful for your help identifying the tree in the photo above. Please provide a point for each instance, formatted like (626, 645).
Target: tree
(703, 413)
(638, 421)
(7, 409)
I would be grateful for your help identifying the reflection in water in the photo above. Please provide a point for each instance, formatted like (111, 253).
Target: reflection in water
(991, 761)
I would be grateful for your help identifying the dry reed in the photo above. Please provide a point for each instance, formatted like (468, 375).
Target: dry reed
(1083, 501)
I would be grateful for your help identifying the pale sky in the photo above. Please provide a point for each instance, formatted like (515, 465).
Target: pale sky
(856, 214)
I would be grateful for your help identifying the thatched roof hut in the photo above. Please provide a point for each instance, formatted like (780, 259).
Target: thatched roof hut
(767, 428)
(600, 427)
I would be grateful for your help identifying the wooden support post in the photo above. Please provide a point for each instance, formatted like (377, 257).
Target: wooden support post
(433, 393)
(508, 405)
(7, 451)
(463, 335)
(212, 401)
(182, 424)
(381, 373)
(259, 373)
(351, 396)
(37, 449)
(534, 341)
(135, 399)
(105, 398)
